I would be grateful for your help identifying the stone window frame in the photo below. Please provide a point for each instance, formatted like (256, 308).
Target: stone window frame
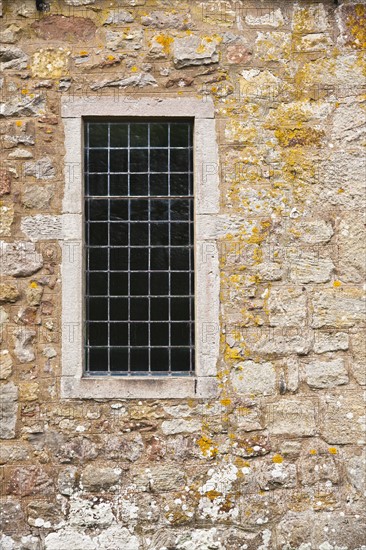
(207, 282)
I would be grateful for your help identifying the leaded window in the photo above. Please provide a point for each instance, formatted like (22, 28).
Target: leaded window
(139, 236)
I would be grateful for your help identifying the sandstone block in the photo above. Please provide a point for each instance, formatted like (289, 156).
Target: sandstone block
(287, 307)
(358, 367)
(351, 250)
(37, 197)
(8, 293)
(307, 267)
(166, 478)
(6, 220)
(356, 472)
(166, 20)
(6, 364)
(69, 29)
(326, 374)
(5, 182)
(97, 478)
(272, 19)
(317, 469)
(180, 425)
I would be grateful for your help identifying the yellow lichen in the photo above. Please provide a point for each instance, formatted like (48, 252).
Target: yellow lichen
(277, 459)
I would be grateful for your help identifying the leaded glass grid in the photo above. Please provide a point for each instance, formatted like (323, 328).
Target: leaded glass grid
(139, 282)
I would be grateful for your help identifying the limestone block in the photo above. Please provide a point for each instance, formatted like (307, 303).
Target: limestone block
(344, 420)
(326, 374)
(116, 17)
(19, 259)
(356, 472)
(138, 80)
(23, 106)
(275, 475)
(308, 267)
(42, 227)
(166, 478)
(8, 409)
(5, 182)
(291, 417)
(23, 349)
(67, 480)
(180, 425)
(348, 123)
(272, 46)
(42, 169)
(192, 50)
(358, 364)
(310, 19)
(12, 57)
(166, 20)
(85, 513)
(254, 378)
(79, 2)
(351, 250)
(287, 307)
(339, 308)
(272, 19)
(15, 452)
(314, 232)
(330, 341)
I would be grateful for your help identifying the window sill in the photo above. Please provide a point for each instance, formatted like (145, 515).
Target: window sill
(138, 387)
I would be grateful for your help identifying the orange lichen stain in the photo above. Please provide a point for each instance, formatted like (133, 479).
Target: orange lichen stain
(24, 91)
(332, 450)
(337, 284)
(312, 452)
(165, 41)
(225, 402)
(277, 459)
(110, 57)
(18, 123)
(357, 28)
(213, 494)
(241, 463)
(33, 284)
(340, 190)
(83, 53)
(206, 446)
(134, 69)
(291, 137)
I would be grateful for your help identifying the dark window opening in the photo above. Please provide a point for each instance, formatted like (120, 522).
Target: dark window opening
(139, 299)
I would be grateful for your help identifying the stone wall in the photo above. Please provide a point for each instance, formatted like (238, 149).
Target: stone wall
(278, 460)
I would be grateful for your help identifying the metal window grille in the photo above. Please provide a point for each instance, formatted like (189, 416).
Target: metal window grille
(139, 300)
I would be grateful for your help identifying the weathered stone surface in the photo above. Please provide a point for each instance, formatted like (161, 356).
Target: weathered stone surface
(85, 513)
(271, 46)
(15, 452)
(287, 307)
(351, 250)
(356, 472)
(12, 517)
(12, 57)
(275, 475)
(19, 259)
(310, 19)
(5, 182)
(9, 35)
(60, 28)
(180, 425)
(308, 267)
(139, 80)
(326, 374)
(68, 538)
(330, 341)
(23, 106)
(6, 220)
(317, 469)
(30, 480)
(314, 232)
(79, 2)
(33, 294)
(126, 447)
(165, 478)
(272, 19)
(98, 478)
(115, 17)
(42, 227)
(9, 292)
(344, 420)
(359, 357)
(37, 196)
(67, 480)
(341, 308)
(9, 407)
(296, 417)
(348, 122)
(192, 50)
(166, 20)
(23, 349)
(42, 169)
(250, 378)
(6, 364)
(237, 54)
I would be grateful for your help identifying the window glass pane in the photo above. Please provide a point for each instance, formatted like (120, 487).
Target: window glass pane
(139, 258)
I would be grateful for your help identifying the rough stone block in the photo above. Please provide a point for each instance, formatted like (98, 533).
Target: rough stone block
(192, 50)
(326, 374)
(19, 259)
(254, 378)
(98, 478)
(291, 417)
(340, 308)
(344, 420)
(9, 409)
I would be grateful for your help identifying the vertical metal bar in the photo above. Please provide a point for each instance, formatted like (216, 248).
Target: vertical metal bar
(109, 249)
(149, 252)
(169, 262)
(129, 248)
(190, 244)
(86, 320)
